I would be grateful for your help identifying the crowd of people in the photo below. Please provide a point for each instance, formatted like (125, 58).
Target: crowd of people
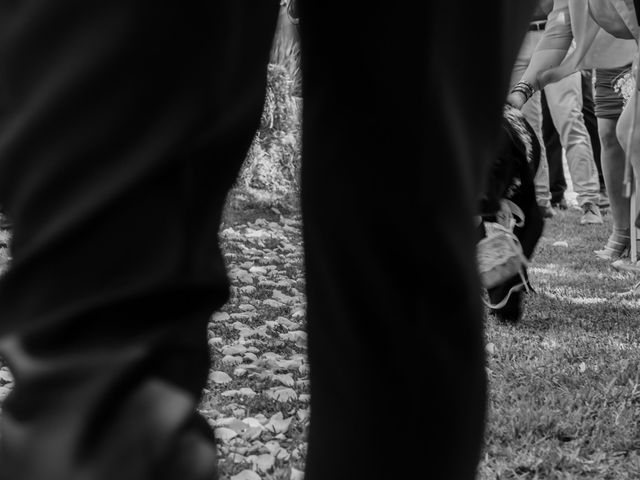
(123, 127)
(564, 119)
(574, 115)
(568, 42)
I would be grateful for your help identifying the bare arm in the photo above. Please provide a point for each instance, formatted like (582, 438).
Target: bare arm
(554, 44)
(551, 50)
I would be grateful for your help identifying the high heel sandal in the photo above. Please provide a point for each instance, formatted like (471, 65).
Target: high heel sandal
(617, 246)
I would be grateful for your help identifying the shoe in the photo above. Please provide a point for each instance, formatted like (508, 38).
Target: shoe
(590, 214)
(617, 247)
(546, 212)
(560, 205)
(625, 264)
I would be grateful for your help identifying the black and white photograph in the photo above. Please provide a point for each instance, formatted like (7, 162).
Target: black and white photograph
(296, 240)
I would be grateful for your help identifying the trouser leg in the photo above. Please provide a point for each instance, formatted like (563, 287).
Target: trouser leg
(532, 111)
(390, 311)
(565, 105)
(553, 149)
(124, 124)
(591, 122)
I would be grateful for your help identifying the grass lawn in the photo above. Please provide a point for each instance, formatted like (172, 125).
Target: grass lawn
(564, 383)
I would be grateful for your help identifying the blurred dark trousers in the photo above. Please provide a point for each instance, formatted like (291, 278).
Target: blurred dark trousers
(124, 124)
(557, 181)
(591, 122)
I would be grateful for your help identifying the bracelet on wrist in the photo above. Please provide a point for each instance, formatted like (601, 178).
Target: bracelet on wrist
(525, 93)
(524, 88)
(526, 85)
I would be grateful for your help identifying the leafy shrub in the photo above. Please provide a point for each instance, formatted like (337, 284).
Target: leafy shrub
(272, 167)
(286, 47)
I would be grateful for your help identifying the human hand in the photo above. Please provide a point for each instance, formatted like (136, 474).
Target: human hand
(516, 100)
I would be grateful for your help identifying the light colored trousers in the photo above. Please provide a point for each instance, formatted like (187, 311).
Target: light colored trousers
(565, 105)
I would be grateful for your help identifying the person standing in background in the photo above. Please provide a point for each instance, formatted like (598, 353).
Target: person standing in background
(609, 106)
(533, 110)
(602, 34)
(565, 106)
(591, 122)
(553, 150)
(553, 146)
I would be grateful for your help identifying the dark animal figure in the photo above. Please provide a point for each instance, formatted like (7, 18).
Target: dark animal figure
(511, 177)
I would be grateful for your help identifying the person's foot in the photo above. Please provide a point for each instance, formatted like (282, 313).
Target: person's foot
(546, 212)
(625, 264)
(590, 214)
(617, 246)
(560, 205)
